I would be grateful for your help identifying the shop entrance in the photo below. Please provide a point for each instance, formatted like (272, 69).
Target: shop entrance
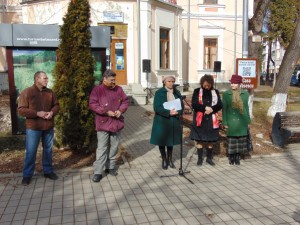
(119, 60)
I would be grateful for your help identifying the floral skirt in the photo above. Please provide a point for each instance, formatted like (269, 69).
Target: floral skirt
(237, 145)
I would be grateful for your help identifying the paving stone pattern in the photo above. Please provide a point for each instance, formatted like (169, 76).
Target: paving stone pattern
(261, 191)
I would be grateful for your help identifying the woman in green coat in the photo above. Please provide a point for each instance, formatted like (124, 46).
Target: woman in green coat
(166, 129)
(236, 119)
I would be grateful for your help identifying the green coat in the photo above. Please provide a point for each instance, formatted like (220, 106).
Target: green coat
(237, 123)
(166, 129)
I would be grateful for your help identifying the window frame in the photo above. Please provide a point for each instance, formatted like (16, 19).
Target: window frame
(164, 49)
(210, 53)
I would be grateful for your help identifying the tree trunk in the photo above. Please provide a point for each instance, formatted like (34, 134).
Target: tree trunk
(289, 61)
(268, 62)
(256, 25)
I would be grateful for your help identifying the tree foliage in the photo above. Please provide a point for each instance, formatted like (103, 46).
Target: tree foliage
(282, 19)
(74, 79)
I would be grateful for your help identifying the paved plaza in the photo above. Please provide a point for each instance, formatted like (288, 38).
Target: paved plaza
(261, 191)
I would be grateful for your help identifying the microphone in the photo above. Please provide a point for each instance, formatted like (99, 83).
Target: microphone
(175, 90)
(175, 86)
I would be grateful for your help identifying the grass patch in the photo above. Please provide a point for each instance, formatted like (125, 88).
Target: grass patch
(267, 92)
(263, 94)
(293, 106)
(260, 110)
(294, 92)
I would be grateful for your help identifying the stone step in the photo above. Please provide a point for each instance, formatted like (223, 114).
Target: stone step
(136, 94)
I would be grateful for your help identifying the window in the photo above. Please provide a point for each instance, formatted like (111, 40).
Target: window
(164, 45)
(210, 53)
(210, 2)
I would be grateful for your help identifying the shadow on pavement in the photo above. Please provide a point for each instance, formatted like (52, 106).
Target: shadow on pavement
(135, 137)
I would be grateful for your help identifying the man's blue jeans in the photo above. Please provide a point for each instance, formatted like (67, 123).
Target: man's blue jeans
(33, 138)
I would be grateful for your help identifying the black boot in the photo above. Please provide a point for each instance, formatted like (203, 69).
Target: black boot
(237, 159)
(200, 156)
(169, 157)
(231, 159)
(209, 156)
(163, 157)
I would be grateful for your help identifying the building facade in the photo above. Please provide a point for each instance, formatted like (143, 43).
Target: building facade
(140, 30)
(276, 53)
(182, 38)
(213, 32)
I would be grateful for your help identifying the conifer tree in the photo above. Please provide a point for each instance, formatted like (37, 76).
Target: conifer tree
(74, 78)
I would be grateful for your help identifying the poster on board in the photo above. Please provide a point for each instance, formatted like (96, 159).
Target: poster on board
(248, 69)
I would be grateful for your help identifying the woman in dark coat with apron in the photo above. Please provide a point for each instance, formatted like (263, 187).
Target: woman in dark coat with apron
(236, 119)
(166, 129)
(206, 103)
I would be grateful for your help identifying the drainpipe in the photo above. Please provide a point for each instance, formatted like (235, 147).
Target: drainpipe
(245, 51)
(139, 40)
(235, 21)
(245, 29)
(188, 42)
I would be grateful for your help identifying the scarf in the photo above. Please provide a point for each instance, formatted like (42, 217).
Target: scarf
(214, 101)
(170, 94)
(237, 102)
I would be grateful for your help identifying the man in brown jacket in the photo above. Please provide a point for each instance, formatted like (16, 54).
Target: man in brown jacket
(39, 105)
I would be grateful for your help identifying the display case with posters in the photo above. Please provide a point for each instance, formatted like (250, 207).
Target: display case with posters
(31, 48)
(25, 63)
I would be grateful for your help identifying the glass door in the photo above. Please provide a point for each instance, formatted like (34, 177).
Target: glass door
(118, 60)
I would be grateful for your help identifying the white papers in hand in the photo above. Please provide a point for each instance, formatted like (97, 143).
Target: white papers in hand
(174, 104)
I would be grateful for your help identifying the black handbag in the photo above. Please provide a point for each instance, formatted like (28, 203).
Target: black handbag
(249, 141)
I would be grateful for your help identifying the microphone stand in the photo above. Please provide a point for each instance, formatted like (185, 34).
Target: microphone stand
(181, 171)
(149, 92)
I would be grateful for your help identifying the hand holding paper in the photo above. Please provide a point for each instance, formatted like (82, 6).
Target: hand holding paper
(173, 112)
(175, 104)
